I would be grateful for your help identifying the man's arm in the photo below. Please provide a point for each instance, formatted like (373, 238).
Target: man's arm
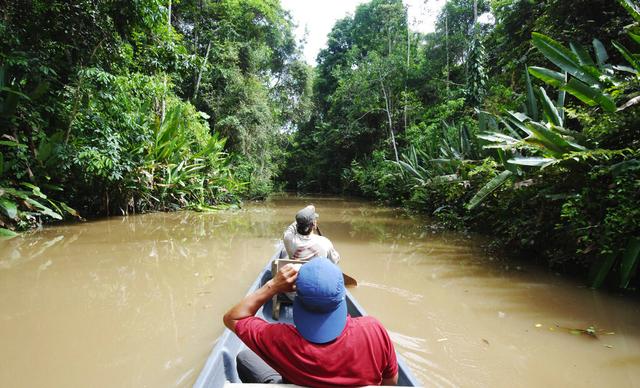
(287, 238)
(333, 255)
(390, 381)
(284, 281)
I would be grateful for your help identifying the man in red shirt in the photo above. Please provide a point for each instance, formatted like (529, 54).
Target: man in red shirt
(326, 347)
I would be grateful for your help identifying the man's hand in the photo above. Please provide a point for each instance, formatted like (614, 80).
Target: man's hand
(285, 279)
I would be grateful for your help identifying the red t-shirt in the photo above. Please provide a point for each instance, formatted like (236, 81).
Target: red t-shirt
(362, 355)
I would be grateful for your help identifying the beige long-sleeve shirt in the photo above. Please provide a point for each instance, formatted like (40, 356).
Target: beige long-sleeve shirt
(301, 247)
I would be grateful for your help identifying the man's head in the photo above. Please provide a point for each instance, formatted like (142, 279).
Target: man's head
(306, 220)
(320, 307)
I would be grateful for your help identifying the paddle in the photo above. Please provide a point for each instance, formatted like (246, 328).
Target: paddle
(348, 280)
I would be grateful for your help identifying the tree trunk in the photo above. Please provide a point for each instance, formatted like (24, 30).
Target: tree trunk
(204, 64)
(446, 43)
(164, 95)
(475, 13)
(406, 78)
(390, 122)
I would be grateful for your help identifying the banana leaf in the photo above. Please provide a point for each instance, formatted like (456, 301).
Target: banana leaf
(627, 55)
(534, 162)
(589, 95)
(561, 97)
(565, 59)
(550, 110)
(583, 56)
(532, 104)
(629, 263)
(518, 120)
(550, 141)
(551, 77)
(632, 7)
(601, 53)
(489, 188)
(585, 93)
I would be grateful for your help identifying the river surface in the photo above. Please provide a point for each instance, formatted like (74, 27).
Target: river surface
(138, 301)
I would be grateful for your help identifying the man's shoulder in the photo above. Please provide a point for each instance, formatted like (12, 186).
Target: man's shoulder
(321, 239)
(256, 323)
(366, 320)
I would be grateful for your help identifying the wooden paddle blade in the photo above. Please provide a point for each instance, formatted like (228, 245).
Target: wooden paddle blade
(349, 281)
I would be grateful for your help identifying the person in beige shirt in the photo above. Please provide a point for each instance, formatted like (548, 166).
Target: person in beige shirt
(302, 240)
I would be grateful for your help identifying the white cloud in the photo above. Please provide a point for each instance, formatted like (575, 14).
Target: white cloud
(317, 17)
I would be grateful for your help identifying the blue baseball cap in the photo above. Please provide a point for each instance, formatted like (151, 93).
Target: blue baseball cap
(320, 306)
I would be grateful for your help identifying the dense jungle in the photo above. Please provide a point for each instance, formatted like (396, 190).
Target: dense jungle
(518, 119)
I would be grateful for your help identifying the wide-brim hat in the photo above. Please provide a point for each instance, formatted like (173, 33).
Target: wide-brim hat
(320, 306)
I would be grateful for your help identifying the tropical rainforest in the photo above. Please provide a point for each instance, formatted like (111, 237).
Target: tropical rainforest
(516, 118)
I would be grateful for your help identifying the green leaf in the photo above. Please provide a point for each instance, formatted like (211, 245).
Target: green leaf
(601, 53)
(534, 162)
(12, 144)
(600, 270)
(635, 37)
(35, 190)
(532, 104)
(8, 208)
(45, 211)
(489, 188)
(550, 110)
(589, 95)
(565, 59)
(518, 119)
(632, 7)
(561, 98)
(15, 92)
(6, 233)
(551, 77)
(583, 56)
(69, 209)
(627, 55)
(630, 259)
(550, 141)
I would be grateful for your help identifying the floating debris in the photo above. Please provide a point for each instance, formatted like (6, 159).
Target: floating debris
(538, 324)
(591, 331)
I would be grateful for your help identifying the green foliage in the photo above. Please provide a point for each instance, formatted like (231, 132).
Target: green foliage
(94, 111)
(362, 96)
(378, 178)
(489, 188)
(479, 145)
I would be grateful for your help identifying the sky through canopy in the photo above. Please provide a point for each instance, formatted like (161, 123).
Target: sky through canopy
(317, 17)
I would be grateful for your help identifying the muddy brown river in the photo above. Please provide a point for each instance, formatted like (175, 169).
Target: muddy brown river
(138, 301)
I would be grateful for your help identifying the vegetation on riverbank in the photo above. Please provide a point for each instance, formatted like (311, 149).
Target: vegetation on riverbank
(118, 107)
(525, 129)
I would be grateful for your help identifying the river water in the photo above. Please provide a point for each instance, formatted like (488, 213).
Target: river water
(138, 301)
